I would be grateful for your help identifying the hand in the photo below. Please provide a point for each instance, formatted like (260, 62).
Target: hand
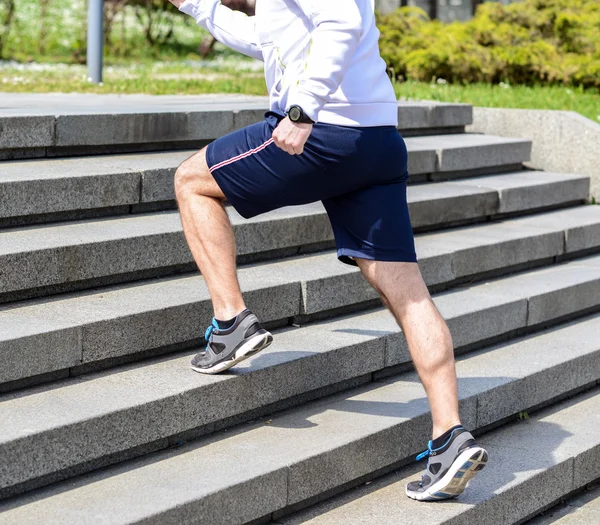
(291, 136)
(177, 3)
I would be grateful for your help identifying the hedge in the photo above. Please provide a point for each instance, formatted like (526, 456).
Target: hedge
(528, 42)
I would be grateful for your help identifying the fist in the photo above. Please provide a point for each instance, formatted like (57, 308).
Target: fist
(291, 136)
(177, 3)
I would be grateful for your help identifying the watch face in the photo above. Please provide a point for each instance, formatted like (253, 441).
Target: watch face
(295, 114)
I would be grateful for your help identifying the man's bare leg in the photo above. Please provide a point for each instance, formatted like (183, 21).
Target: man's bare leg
(210, 237)
(430, 343)
(454, 458)
(209, 234)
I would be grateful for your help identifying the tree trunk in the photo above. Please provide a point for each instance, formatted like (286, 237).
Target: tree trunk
(9, 13)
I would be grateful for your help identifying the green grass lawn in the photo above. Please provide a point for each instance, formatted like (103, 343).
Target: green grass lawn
(158, 78)
(231, 74)
(586, 102)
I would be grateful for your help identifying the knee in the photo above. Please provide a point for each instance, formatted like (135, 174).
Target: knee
(412, 294)
(186, 180)
(399, 284)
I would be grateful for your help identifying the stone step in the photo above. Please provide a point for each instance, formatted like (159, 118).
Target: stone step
(532, 464)
(262, 469)
(582, 509)
(51, 189)
(444, 203)
(111, 416)
(51, 125)
(49, 259)
(84, 331)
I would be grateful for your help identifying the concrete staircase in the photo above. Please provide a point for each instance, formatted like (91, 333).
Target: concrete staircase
(101, 309)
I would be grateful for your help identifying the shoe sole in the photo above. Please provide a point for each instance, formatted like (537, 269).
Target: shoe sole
(464, 468)
(251, 347)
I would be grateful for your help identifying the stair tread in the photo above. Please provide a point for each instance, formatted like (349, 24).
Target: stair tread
(582, 509)
(531, 190)
(20, 104)
(261, 468)
(92, 231)
(52, 104)
(458, 140)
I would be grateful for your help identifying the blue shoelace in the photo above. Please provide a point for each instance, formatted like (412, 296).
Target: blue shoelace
(430, 448)
(214, 326)
(427, 452)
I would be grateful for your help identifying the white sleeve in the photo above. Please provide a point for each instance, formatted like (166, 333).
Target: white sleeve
(338, 29)
(232, 28)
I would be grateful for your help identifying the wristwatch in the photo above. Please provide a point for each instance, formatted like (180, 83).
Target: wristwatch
(296, 114)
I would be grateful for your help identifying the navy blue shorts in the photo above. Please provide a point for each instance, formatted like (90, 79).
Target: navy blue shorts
(359, 174)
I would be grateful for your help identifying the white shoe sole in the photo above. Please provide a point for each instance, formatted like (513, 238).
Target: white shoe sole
(249, 348)
(454, 482)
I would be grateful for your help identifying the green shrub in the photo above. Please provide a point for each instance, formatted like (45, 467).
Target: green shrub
(528, 42)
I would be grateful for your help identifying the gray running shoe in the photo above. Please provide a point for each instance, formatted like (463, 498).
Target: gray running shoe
(449, 469)
(226, 348)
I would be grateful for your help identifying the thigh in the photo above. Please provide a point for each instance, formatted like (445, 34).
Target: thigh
(256, 176)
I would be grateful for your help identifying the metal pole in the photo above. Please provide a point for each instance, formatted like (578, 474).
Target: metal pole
(95, 40)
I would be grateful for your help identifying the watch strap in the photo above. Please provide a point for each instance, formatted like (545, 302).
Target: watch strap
(296, 114)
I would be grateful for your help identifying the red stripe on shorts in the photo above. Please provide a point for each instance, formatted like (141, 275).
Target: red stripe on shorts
(242, 156)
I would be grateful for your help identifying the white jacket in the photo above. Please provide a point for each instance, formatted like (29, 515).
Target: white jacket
(322, 55)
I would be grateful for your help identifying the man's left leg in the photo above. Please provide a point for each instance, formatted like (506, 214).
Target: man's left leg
(454, 456)
(403, 291)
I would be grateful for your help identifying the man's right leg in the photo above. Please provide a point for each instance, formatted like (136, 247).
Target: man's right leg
(209, 234)
(210, 237)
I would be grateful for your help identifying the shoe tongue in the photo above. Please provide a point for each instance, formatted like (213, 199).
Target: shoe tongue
(225, 325)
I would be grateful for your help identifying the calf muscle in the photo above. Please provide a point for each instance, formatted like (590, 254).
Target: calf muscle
(404, 292)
